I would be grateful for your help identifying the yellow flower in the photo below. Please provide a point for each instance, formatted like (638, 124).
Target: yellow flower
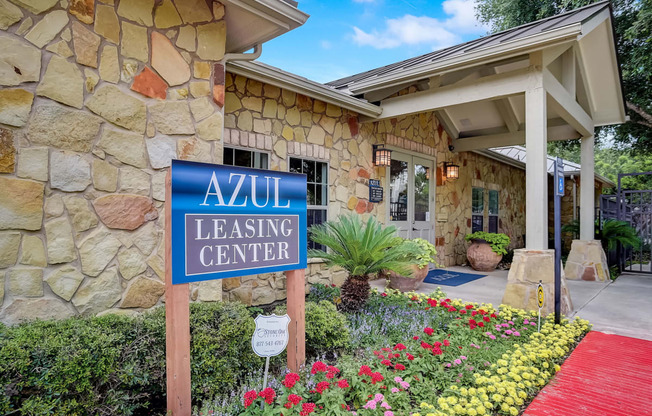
(513, 411)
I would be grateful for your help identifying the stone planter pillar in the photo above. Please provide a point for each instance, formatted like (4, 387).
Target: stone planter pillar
(587, 261)
(528, 268)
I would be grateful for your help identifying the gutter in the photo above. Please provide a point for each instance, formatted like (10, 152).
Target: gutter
(274, 76)
(510, 48)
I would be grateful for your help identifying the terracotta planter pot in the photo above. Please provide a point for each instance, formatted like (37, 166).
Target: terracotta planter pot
(408, 284)
(481, 257)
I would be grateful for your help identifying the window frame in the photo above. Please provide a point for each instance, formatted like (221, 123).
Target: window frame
(324, 184)
(489, 214)
(477, 217)
(246, 149)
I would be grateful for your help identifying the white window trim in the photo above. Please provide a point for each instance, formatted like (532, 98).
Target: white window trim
(249, 149)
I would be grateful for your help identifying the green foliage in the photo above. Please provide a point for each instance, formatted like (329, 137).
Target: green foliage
(633, 27)
(326, 328)
(115, 365)
(319, 292)
(610, 233)
(360, 249)
(497, 241)
(220, 334)
(420, 252)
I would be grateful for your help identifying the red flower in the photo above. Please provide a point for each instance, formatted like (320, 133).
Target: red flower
(386, 349)
(436, 351)
(428, 331)
(482, 311)
(307, 408)
(376, 377)
(472, 322)
(399, 367)
(463, 312)
(493, 315)
(469, 306)
(249, 398)
(474, 313)
(437, 344)
(399, 347)
(386, 362)
(451, 309)
(318, 367)
(415, 337)
(290, 380)
(295, 399)
(287, 405)
(409, 356)
(384, 295)
(343, 383)
(425, 345)
(321, 386)
(364, 370)
(268, 394)
(486, 318)
(447, 343)
(481, 324)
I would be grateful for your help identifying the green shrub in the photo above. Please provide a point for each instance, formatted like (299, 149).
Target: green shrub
(326, 328)
(115, 365)
(497, 241)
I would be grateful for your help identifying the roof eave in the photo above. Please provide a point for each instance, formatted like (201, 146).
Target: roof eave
(286, 80)
(478, 56)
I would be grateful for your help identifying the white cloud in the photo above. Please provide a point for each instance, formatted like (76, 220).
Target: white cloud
(417, 30)
(326, 44)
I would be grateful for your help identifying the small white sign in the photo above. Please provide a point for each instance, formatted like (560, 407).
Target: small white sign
(271, 335)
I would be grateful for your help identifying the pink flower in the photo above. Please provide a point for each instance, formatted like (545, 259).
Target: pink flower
(492, 336)
(388, 413)
(398, 379)
(508, 332)
(395, 390)
(448, 364)
(385, 405)
(458, 362)
(370, 405)
(405, 384)
(378, 397)
(463, 358)
(532, 323)
(517, 334)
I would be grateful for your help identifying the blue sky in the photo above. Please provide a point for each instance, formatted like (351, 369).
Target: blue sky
(345, 37)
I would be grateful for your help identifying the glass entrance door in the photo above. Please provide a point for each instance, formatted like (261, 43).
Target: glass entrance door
(411, 196)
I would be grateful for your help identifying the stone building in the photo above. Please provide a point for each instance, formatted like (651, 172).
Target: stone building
(96, 98)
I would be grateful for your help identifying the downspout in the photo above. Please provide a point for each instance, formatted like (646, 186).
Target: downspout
(258, 50)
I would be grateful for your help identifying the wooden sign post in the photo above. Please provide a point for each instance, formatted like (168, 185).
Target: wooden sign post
(227, 221)
(177, 325)
(296, 301)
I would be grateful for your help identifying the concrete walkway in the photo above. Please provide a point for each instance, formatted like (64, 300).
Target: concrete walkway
(621, 307)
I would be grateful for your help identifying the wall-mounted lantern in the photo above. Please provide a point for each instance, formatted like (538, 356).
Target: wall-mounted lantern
(381, 156)
(451, 171)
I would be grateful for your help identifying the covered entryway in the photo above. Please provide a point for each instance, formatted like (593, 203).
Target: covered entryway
(410, 198)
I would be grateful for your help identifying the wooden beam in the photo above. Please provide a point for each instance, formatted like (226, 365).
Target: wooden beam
(296, 300)
(555, 131)
(583, 78)
(568, 75)
(566, 106)
(551, 54)
(378, 95)
(488, 88)
(447, 124)
(508, 114)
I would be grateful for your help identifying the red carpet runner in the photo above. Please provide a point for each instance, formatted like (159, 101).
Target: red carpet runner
(605, 375)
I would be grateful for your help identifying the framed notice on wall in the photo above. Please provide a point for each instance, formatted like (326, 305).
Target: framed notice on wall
(230, 221)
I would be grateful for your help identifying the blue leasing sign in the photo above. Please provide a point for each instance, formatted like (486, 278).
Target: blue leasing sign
(559, 177)
(230, 221)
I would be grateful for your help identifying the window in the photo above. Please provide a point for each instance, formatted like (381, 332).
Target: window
(493, 211)
(317, 195)
(245, 158)
(477, 210)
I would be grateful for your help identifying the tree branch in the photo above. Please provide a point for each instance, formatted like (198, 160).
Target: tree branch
(638, 110)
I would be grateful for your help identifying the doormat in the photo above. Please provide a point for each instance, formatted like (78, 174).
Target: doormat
(450, 278)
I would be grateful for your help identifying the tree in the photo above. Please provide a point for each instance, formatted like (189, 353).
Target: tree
(633, 27)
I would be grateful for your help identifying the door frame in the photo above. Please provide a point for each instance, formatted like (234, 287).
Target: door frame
(432, 191)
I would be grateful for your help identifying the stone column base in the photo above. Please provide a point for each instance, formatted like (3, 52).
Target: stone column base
(587, 261)
(528, 268)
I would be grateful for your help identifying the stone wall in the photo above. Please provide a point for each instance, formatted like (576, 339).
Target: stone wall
(95, 99)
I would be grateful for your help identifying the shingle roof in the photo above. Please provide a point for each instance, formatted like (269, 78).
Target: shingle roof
(551, 23)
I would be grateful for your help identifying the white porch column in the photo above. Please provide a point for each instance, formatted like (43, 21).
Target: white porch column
(536, 172)
(587, 189)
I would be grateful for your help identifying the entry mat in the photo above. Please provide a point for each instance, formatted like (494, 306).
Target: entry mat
(450, 278)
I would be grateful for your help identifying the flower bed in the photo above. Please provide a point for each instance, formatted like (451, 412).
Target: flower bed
(470, 360)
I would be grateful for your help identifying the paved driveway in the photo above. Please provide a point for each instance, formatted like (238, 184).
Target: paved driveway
(622, 307)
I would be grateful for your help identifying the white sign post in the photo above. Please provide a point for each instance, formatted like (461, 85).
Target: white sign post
(270, 338)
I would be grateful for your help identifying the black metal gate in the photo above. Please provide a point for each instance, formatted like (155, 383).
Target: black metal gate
(634, 207)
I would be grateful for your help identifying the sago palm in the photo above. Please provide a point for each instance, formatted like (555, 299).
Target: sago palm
(362, 250)
(614, 231)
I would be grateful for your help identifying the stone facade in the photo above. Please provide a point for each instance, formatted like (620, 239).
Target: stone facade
(95, 99)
